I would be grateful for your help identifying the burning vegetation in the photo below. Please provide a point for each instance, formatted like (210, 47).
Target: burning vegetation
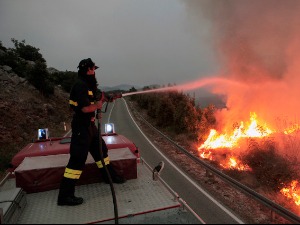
(246, 147)
(258, 46)
(251, 146)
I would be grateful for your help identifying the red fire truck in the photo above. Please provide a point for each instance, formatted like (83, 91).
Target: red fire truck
(28, 193)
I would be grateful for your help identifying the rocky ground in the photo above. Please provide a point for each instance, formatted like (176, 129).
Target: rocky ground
(23, 110)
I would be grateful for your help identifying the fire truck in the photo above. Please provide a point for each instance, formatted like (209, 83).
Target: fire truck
(28, 193)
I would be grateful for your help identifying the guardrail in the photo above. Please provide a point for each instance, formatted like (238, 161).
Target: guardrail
(285, 213)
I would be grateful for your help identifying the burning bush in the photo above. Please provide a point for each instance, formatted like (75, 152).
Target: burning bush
(271, 169)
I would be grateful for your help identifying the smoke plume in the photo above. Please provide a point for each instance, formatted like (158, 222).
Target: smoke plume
(258, 44)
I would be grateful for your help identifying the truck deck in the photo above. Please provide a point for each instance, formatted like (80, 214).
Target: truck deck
(140, 200)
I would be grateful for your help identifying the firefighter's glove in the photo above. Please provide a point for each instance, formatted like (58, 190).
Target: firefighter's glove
(110, 98)
(98, 115)
(118, 95)
(99, 104)
(115, 96)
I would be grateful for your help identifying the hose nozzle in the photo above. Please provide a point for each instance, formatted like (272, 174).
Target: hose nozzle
(118, 95)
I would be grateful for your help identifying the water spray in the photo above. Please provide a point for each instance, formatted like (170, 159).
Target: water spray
(188, 86)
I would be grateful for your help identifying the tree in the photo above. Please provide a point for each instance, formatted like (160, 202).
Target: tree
(39, 78)
(65, 79)
(2, 47)
(177, 112)
(165, 112)
(133, 89)
(27, 52)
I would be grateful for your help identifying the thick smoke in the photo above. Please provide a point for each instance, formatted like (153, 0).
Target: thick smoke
(258, 43)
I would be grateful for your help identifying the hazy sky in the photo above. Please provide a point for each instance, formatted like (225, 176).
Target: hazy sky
(136, 42)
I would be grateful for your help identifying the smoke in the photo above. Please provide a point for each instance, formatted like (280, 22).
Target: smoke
(258, 45)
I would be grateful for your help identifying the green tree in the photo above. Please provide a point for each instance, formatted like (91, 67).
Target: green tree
(177, 112)
(133, 89)
(10, 58)
(39, 78)
(2, 47)
(165, 112)
(27, 52)
(65, 79)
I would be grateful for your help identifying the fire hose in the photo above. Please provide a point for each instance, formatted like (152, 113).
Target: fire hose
(99, 97)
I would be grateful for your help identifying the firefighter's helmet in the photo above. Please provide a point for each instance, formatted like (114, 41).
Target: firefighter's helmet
(86, 63)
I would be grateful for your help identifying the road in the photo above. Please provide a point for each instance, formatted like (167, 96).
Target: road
(209, 209)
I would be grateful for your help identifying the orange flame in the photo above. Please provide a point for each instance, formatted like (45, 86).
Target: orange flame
(254, 130)
(292, 129)
(292, 192)
(216, 141)
(206, 155)
(229, 141)
(234, 163)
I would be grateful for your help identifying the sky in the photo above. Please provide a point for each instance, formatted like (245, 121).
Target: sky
(135, 42)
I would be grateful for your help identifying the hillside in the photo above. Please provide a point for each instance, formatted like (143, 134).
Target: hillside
(23, 110)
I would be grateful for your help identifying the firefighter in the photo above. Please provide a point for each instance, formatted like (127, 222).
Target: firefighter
(85, 136)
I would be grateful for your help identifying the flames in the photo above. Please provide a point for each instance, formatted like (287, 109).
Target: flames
(253, 129)
(292, 192)
(234, 163)
(292, 129)
(229, 141)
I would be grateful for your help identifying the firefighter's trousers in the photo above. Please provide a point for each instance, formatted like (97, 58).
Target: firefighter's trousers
(83, 140)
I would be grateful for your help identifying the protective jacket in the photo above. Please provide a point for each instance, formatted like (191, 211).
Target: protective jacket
(84, 138)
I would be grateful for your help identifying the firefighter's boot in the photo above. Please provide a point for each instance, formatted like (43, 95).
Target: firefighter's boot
(66, 194)
(114, 176)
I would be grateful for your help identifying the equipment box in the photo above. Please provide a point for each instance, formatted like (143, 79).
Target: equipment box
(43, 173)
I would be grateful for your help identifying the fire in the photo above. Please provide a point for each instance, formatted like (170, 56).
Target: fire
(292, 192)
(206, 155)
(292, 129)
(229, 141)
(252, 129)
(234, 163)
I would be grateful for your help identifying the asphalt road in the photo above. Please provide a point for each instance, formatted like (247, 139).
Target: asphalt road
(209, 209)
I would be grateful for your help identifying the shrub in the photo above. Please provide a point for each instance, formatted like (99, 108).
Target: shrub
(271, 169)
